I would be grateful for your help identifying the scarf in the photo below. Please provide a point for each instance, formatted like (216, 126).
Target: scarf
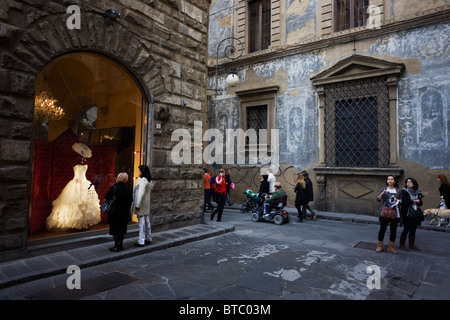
(413, 193)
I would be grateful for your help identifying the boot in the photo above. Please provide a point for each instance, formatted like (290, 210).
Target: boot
(402, 244)
(379, 246)
(120, 243)
(116, 244)
(411, 243)
(392, 247)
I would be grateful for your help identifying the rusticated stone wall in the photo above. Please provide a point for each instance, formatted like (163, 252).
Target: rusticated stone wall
(162, 43)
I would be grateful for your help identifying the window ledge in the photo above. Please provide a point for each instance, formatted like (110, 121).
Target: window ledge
(357, 171)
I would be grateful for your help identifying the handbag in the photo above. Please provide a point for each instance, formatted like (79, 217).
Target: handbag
(109, 205)
(415, 214)
(388, 213)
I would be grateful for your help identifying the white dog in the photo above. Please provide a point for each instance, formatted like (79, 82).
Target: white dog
(437, 214)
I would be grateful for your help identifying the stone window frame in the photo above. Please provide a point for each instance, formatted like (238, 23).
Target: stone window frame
(257, 97)
(353, 68)
(276, 23)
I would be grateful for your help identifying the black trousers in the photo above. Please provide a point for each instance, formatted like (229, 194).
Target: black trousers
(383, 228)
(220, 199)
(301, 209)
(410, 227)
(207, 199)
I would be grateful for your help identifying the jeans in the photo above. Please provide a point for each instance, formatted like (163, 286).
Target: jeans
(228, 198)
(145, 231)
(383, 227)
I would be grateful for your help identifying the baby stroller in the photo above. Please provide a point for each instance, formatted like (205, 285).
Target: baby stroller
(253, 201)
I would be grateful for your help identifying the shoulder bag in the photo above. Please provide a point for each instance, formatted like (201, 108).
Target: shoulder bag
(388, 213)
(109, 205)
(415, 213)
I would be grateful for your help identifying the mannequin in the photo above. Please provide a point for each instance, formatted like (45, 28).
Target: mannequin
(78, 206)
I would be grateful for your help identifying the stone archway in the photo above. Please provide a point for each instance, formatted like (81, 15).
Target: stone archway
(30, 48)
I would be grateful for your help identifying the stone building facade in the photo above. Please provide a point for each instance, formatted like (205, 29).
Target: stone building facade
(162, 47)
(352, 103)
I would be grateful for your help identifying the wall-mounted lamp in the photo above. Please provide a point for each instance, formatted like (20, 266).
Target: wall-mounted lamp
(232, 79)
(163, 115)
(111, 14)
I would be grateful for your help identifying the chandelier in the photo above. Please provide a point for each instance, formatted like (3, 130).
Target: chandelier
(45, 107)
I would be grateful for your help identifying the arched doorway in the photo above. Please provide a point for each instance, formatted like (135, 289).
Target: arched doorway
(102, 109)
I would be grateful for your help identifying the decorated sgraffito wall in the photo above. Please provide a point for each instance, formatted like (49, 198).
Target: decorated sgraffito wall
(422, 122)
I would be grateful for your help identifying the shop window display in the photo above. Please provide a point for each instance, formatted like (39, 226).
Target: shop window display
(77, 155)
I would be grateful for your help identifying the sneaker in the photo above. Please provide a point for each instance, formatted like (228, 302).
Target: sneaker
(137, 244)
(314, 216)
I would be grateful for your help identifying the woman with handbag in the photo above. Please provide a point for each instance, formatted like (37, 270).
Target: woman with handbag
(119, 216)
(389, 213)
(411, 214)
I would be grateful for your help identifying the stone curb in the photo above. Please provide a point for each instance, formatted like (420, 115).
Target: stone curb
(59, 261)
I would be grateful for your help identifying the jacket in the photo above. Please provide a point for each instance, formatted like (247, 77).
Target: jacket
(407, 202)
(276, 197)
(221, 186)
(309, 190)
(387, 201)
(121, 213)
(141, 197)
(207, 179)
(264, 187)
(300, 195)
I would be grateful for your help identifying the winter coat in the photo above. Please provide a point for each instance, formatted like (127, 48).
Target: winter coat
(405, 197)
(300, 195)
(272, 181)
(275, 199)
(386, 200)
(309, 190)
(120, 216)
(141, 197)
(444, 190)
(264, 187)
(221, 187)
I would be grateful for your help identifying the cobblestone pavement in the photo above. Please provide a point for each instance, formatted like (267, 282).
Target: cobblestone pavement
(322, 259)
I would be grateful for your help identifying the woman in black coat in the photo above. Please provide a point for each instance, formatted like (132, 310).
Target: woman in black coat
(301, 199)
(410, 196)
(120, 216)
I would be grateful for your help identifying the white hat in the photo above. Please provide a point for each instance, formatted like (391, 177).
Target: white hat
(82, 149)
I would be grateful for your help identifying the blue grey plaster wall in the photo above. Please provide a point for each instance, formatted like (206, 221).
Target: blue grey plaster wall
(294, 22)
(423, 99)
(219, 10)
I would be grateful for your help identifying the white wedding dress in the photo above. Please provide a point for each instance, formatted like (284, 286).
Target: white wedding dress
(77, 207)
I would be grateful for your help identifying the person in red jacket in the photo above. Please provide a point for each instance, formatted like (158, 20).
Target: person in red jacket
(221, 193)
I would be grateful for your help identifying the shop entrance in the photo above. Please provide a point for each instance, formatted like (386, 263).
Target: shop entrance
(89, 125)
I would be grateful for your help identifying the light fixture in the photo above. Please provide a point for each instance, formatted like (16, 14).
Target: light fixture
(232, 79)
(46, 107)
(111, 14)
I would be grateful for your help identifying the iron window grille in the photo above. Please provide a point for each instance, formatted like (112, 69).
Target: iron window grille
(256, 119)
(357, 123)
